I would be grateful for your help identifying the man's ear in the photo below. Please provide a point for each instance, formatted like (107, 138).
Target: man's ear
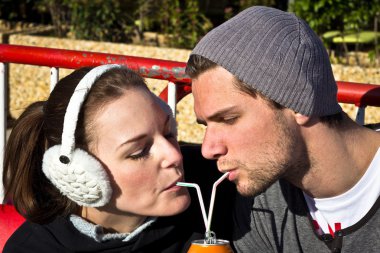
(302, 120)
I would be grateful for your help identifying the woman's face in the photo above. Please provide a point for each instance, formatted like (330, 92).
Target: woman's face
(136, 142)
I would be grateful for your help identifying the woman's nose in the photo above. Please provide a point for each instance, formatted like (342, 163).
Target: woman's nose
(172, 154)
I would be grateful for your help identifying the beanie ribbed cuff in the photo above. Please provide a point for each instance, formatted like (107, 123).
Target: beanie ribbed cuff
(278, 55)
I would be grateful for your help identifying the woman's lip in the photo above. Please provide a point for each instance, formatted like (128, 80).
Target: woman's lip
(174, 188)
(174, 185)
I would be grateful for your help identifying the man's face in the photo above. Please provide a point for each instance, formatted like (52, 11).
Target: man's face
(255, 142)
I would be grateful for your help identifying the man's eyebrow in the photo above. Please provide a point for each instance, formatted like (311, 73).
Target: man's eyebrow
(216, 116)
(201, 122)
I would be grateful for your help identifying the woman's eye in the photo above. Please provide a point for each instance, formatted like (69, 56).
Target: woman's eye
(144, 154)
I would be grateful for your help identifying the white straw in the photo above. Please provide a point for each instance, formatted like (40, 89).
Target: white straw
(199, 198)
(211, 208)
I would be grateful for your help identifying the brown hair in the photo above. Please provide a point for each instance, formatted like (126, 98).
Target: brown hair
(40, 127)
(198, 64)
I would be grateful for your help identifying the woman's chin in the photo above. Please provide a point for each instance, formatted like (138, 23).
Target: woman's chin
(176, 206)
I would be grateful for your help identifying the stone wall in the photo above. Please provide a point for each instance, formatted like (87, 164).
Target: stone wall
(31, 83)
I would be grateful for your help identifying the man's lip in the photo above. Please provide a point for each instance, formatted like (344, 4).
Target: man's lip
(232, 174)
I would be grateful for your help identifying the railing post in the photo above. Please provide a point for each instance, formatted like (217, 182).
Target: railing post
(360, 115)
(172, 97)
(54, 77)
(3, 121)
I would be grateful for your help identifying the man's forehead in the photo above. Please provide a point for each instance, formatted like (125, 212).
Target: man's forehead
(212, 81)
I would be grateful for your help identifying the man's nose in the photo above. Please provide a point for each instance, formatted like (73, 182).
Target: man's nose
(213, 146)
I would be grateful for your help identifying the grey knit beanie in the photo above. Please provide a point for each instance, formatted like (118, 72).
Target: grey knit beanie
(277, 54)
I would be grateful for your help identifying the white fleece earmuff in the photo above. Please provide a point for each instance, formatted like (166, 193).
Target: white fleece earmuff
(76, 173)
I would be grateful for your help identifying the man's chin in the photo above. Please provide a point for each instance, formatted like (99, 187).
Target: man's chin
(248, 191)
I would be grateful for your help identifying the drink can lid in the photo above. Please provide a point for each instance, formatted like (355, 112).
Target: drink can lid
(214, 242)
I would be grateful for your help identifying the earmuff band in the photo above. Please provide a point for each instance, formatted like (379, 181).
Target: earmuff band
(73, 109)
(76, 173)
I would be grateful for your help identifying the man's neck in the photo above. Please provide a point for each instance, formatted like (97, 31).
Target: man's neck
(339, 157)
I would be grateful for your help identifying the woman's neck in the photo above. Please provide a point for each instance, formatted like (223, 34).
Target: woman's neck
(113, 222)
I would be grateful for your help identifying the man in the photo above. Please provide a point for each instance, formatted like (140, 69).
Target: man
(310, 176)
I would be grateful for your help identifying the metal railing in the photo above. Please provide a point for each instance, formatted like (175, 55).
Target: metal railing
(179, 84)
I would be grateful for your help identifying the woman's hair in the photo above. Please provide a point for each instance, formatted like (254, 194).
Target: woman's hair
(40, 127)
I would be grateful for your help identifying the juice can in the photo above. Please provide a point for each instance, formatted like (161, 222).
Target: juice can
(216, 246)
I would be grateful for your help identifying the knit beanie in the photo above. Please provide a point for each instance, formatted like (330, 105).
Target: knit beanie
(277, 54)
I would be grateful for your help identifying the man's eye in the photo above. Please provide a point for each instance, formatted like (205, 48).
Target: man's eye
(144, 154)
(230, 120)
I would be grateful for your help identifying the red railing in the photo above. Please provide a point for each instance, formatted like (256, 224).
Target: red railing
(359, 94)
(172, 71)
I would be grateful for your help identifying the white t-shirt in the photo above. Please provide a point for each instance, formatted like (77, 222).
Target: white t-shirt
(345, 210)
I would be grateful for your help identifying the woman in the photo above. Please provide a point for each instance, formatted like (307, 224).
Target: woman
(94, 169)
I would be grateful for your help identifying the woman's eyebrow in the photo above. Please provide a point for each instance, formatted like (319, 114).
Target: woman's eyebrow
(133, 139)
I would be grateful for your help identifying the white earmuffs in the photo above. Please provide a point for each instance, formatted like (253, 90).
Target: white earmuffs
(76, 173)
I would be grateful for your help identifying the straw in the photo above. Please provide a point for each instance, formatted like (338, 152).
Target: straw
(199, 198)
(212, 201)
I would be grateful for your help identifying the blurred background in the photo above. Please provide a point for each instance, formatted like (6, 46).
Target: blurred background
(186, 20)
(168, 29)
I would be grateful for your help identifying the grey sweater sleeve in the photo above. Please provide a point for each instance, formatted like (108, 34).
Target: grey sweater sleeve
(274, 221)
